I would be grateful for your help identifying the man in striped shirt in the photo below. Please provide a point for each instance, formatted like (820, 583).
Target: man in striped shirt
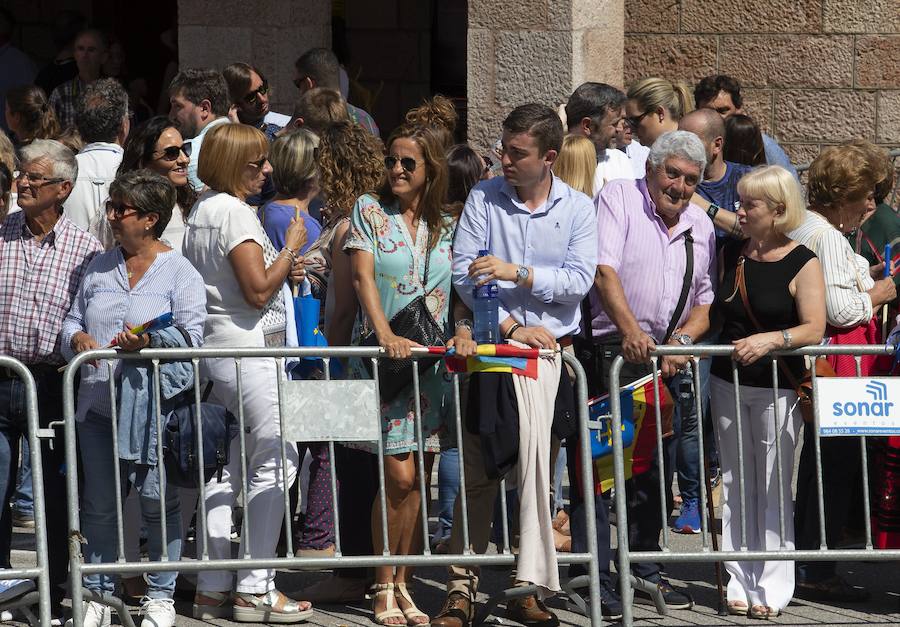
(650, 234)
(43, 257)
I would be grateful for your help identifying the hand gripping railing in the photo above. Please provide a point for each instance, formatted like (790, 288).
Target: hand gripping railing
(78, 567)
(667, 555)
(41, 571)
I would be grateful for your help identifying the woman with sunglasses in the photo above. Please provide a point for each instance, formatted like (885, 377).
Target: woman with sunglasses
(654, 107)
(245, 278)
(394, 236)
(141, 278)
(158, 146)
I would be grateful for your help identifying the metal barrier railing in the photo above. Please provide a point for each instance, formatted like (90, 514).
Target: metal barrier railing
(364, 424)
(894, 156)
(666, 554)
(41, 571)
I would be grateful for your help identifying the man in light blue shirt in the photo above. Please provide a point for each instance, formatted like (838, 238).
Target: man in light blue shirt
(542, 239)
(199, 101)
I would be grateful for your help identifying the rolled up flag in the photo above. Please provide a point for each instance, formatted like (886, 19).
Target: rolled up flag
(495, 358)
(160, 322)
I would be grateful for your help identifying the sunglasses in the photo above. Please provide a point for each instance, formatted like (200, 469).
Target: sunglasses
(262, 90)
(299, 81)
(120, 210)
(407, 163)
(171, 153)
(259, 163)
(635, 120)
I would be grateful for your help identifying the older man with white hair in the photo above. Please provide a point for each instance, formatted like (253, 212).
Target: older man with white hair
(43, 257)
(654, 285)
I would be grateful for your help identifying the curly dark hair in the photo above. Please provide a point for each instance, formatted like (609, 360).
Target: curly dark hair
(138, 152)
(351, 163)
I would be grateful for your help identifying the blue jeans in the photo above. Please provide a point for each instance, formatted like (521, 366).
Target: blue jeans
(13, 425)
(23, 500)
(448, 488)
(98, 507)
(684, 447)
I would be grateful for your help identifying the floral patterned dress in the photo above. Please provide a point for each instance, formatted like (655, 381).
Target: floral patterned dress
(399, 268)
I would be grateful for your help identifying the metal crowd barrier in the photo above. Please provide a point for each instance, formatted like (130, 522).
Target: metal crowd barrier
(41, 570)
(706, 554)
(357, 421)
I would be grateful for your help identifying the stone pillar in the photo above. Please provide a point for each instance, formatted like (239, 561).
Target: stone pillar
(269, 35)
(537, 51)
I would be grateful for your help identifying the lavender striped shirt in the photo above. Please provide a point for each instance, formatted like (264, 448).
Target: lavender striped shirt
(634, 241)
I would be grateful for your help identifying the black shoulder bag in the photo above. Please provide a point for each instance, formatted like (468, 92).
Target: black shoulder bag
(414, 322)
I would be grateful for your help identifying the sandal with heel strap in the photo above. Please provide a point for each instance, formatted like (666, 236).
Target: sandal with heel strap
(270, 607)
(390, 608)
(219, 607)
(412, 612)
(763, 612)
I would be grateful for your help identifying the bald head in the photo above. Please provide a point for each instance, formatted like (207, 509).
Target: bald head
(709, 126)
(704, 123)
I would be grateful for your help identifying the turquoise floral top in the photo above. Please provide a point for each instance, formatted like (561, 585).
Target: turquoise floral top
(399, 268)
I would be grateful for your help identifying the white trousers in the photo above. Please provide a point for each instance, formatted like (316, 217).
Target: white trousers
(770, 582)
(264, 489)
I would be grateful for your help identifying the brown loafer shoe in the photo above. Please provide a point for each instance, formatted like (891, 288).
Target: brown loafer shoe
(531, 612)
(457, 612)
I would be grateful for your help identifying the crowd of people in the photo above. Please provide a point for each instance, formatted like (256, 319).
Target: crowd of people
(616, 223)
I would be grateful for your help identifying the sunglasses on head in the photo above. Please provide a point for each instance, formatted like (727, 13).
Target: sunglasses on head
(170, 153)
(407, 163)
(261, 90)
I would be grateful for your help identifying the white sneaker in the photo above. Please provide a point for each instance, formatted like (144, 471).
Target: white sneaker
(157, 612)
(95, 615)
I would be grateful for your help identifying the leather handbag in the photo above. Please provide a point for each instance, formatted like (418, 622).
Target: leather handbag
(414, 322)
(804, 387)
(180, 455)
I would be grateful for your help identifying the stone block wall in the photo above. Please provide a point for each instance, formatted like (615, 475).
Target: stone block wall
(269, 34)
(536, 51)
(814, 72)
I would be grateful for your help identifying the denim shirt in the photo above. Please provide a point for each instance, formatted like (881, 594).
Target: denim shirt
(137, 405)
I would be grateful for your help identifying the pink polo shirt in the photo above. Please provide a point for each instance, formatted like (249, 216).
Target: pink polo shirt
(634, 241)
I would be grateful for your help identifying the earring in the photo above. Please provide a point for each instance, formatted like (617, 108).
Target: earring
(147, 228)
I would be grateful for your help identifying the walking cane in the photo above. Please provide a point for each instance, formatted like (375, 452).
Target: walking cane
(720, 586)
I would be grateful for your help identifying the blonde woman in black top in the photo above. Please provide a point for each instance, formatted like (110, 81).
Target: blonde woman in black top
(786, 293)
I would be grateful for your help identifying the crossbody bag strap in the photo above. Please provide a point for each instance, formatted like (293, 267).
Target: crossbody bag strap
(742, 288)
(686, 284)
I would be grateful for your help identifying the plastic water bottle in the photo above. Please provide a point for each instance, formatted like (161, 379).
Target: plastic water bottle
(486, 311)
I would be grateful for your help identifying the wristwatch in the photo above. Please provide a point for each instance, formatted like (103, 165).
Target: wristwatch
(522, 275)
(682, 338)
(465, 322)
(788, 340)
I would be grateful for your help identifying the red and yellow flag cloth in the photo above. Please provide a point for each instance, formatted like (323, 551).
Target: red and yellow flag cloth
(640, 410)
(493, 358)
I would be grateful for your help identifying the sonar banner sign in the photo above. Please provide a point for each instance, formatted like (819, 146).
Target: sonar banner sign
(854, 406)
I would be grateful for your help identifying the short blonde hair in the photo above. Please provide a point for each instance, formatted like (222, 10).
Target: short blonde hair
(776, 187)
(577, 163)
(293, 159)
(225, 152)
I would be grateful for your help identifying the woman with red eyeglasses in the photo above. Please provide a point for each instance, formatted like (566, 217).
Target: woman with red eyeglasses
(158, 146)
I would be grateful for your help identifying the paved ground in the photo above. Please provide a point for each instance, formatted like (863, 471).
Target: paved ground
(880, 578)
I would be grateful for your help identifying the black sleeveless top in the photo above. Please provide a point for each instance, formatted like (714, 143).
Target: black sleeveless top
(770, 297)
